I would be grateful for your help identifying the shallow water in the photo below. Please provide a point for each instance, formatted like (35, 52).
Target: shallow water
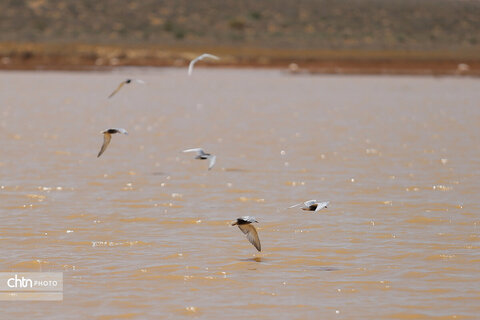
(144, 230)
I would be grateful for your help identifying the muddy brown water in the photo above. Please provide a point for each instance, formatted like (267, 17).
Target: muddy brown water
(143, 232)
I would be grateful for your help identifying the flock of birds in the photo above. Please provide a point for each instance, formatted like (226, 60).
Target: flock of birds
(245, 224)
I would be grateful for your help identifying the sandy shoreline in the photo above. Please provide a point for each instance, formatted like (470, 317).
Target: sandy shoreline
(30, 56)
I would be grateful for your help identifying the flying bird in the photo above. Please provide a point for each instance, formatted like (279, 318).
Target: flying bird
(128, 81)
(245, 224)
(107, 136)
(201, 57)
(201, 155)
(312, 205)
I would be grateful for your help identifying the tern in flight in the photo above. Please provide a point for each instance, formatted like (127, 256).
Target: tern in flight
(201, 155)
(312, 205)
(107, 136)
(128, 81)
(201, 57)
(245, 224)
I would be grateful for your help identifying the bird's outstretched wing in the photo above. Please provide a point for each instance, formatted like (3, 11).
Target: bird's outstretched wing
(116, 90)
(295, 205)
(190, 66)
(208, 55)
(201, 57)
(212, 162)
(252, 235)
(322, 205)
(106, 141)
(199, 151)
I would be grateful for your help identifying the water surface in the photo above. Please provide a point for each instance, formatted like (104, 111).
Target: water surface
(144, 230)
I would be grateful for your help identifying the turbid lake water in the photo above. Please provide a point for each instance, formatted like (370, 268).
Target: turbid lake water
(143, 232)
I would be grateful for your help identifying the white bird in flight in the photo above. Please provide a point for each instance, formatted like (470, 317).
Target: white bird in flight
(245, 224)
(201, 155)
(312, 205)
(123, 83)
(201, 57)
(107, 136)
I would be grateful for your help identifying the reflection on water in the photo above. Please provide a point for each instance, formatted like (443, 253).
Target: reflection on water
(327, 269)
(144, 232)
(256, 259)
